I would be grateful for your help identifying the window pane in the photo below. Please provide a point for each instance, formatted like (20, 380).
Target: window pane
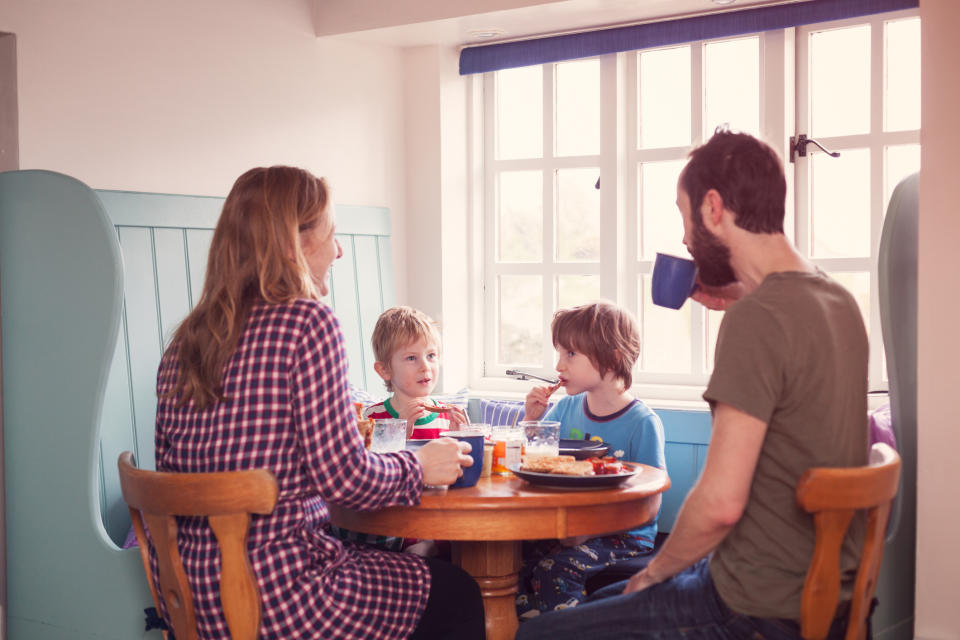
(664, 100)
(840, 214)
(665, 339)
(902, 160)
(858, 284)
(578, 215)
(840, 81)
(578, 108)
(519, 108)
(520, 216)
(714, 318)
(732, 85)
(661, 227)
(521, 320)
(901, 93)
(576, 290)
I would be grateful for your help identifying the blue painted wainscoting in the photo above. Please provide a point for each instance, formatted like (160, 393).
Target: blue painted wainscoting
(687, 434)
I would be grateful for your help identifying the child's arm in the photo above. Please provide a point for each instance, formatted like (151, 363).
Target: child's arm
(537, 401)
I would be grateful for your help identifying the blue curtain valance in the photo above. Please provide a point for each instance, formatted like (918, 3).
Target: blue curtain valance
(523, 53)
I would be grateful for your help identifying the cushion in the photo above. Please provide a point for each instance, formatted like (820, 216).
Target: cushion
(457, 399)
(363, 396)
(498, 412)
(881, 427)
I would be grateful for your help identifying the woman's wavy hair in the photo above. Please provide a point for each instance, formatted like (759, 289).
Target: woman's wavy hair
(607, 334)
(255, 256)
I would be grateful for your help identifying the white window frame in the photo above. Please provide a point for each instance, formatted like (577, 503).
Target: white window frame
(781, 71)
(875, 141)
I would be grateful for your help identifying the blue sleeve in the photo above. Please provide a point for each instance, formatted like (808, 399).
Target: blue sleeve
(558, 411)
(647, 443)
(565, 413)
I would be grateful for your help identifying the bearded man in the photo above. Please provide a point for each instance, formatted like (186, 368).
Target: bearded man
(788, 392)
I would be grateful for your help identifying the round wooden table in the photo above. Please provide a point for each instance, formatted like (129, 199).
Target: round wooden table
(486, 524)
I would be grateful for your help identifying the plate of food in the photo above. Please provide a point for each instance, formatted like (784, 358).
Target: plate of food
(583, 449)
(569, 473)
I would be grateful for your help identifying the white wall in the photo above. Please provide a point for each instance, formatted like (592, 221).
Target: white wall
(182, 96)
(344, 16)
(938, 435)
(436, 238)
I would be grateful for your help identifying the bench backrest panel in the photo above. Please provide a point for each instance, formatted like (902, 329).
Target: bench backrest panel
(164, 240)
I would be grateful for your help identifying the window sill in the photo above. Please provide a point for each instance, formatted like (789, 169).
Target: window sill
(672, 397)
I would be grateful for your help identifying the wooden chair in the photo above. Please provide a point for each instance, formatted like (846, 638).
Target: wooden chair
(833, 495)
(227, 499)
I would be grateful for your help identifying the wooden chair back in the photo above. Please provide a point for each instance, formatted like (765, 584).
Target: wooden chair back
(833, 496)
(227, 499)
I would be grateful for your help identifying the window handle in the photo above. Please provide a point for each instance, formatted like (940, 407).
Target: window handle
(798, 147)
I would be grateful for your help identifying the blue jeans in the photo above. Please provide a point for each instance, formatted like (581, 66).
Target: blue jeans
(685, 607)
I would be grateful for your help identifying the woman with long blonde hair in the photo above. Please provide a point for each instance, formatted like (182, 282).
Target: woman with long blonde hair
(256, 377)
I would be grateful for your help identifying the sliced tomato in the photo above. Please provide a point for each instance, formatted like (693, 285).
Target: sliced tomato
(612, 467)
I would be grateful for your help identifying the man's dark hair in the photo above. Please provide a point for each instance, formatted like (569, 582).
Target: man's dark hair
(747, 174)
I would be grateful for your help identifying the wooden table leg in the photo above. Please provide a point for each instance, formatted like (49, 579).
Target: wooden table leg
(494, 565)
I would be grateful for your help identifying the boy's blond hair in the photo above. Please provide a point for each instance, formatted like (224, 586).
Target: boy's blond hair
(398, 327)
(607, 334)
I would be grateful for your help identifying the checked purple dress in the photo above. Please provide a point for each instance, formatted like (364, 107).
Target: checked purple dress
(288, 410)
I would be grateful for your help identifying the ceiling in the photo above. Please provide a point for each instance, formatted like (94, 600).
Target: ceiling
(406, 23)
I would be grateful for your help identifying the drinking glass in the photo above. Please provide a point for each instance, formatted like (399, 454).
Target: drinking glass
(507, 448)
(389, 434)
(541, 437)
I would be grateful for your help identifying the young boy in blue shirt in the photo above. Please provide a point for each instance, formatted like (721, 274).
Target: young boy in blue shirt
(597, 346)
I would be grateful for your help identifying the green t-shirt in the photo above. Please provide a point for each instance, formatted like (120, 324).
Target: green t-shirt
(793, 354)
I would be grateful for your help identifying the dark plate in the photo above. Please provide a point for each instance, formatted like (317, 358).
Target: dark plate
(583, 449)
(573, 482)
(415, 443)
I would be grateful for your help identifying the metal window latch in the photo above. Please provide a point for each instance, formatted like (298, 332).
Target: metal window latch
(526, 375)
(798, 147)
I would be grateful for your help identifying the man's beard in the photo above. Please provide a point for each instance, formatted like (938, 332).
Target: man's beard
(712, 258)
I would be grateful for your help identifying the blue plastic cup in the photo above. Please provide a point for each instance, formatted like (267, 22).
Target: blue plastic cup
(472, 473)
(674, 279)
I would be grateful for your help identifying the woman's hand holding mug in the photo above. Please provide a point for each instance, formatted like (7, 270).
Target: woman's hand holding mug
(442, 460)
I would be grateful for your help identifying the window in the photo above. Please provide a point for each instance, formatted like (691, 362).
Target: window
(581, 160)
(858, 93)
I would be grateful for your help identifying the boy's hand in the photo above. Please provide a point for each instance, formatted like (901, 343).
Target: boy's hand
(537, 401)
(456, 415)
(411, 411)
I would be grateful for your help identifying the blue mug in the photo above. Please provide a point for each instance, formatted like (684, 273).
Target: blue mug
(674, 279)
(472, 473)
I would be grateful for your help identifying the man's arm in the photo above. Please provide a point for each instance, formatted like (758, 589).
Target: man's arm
(716, 502)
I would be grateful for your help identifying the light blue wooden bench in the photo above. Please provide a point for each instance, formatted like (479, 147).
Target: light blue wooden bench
(164, 240)
(92, 283)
